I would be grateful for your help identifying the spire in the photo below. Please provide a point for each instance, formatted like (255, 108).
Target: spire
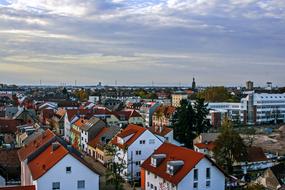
(193, 84)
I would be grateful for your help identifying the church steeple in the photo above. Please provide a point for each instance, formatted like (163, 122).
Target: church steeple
(193, 84)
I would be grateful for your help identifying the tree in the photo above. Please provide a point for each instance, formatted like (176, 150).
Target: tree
(229, 147)
(190, 122)
(81, 94)
(202, 124)
(217, 94)
(115, 169)
(159, 114)
(255, 187)
(183, 124)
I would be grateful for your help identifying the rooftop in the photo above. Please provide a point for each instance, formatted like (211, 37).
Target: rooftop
(188, 157)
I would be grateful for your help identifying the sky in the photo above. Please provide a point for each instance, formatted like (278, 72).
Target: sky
(135, 42)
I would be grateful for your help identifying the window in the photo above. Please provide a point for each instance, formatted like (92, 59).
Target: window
(195, 185)
(155, 176)
(68, 169)
(138, 163)
(138, 174)
(80, 184)
(148, 184)
(138, 152)
(208, 183)
(208, 173)
(142, 141)
(55, 185)
(151, 141)
(195, 174)
(155, 188)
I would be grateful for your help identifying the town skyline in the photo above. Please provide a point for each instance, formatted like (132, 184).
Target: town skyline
(137, 42)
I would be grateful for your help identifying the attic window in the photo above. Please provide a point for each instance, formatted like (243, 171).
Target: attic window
(174, 166)
(157, 159)
(68, 169)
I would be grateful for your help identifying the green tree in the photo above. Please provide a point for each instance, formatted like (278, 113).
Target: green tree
(217, 94)
(229, 147)
(189, 122)
(81, 94)
(115, 169)
(202, 124)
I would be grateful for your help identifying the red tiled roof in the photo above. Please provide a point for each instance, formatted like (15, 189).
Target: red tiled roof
(9, 125)
(30, 187)
(72, 112)
(46, 160)
(101, 111)
(61, 112)
(165, 130)
(173, 152)
(255, 154)
(130, 129)
(28, 149)
(96, 140)
(209, 146)
(80, 122)
(135, 114)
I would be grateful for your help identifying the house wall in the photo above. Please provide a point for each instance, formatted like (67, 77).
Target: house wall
(152, 181)
(169, 138)
(217, 179)
(66, 128)
(2, 181)
(146, 150)
(25, 174)
(136, 120)
(112, 120)
(68, 180)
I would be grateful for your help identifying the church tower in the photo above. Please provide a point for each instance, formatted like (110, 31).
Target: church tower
(193, 84)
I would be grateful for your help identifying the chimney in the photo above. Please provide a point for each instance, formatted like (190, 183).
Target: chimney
(55, 145)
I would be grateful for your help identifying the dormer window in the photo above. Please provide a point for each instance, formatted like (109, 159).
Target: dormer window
(120, 140)
(157, 159)
(174, 166)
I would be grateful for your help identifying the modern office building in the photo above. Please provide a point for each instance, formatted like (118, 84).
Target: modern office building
(262, 108)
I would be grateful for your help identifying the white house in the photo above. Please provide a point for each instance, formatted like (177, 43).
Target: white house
(176, 168)
(165, 134)
(147, 110)
(134, 144)
(89, 130)
(48, 163)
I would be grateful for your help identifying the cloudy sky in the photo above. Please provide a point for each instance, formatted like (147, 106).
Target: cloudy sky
(220, 42)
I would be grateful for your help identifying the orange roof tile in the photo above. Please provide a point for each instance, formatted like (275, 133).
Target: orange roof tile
(130, 129)
(209, 146)
(46, 160)
(173, 152)
(30, 187)
(165, 130)
(28, 149)
(80, 122)
(61, 112)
